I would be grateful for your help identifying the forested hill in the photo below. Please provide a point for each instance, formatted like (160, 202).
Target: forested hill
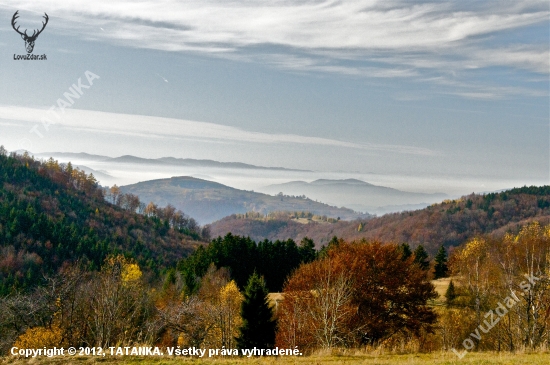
(51, 214)
(450, 223)
(208, 201)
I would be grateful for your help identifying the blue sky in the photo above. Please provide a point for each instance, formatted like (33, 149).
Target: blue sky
(449, 90)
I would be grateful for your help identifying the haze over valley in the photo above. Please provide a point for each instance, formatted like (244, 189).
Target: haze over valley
(335, 190)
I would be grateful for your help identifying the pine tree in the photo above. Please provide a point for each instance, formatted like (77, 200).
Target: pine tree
(258, 327)
(405, 250)
(450, 294)
(421, 257)
(307, 250)
(441, 263)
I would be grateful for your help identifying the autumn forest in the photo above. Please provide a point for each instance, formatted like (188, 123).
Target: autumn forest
(86, 265)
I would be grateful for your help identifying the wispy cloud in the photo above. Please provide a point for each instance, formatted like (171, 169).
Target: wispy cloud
(143, 126)
(383, 38)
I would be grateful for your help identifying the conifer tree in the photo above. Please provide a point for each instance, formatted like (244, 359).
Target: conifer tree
(307, 250)
(450, 294)
(441, 263)
(421, 257)
(258, 327)
(405, 250)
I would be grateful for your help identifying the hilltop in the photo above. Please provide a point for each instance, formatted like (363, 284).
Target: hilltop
(449, 223)
(208, 201)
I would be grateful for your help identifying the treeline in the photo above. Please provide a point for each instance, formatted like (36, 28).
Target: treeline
(225, 306)
(117, 306)
(52, 214)
(275, 261)
(172, 217)
(450, 223)
(454, 222)
(350, 295)
(284, 215)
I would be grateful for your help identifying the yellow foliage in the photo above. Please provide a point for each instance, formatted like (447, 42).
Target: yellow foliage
(181, 340)
(533, 230)
(130, 273)
(228, 319)
(476, 248)
(39, 337)
(230, 295)
(129, 270)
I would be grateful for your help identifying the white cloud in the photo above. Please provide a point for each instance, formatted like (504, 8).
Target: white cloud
(355, 25)
(370, 38)
(143, 126)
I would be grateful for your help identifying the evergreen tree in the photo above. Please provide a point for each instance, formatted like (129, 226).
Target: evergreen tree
(332, 243)
(441, 263)
(307, 250)
(421, 257)
(405, 250)
(258, 327)
(450, 294)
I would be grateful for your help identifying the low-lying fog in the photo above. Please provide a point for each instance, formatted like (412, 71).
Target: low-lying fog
(109, 173)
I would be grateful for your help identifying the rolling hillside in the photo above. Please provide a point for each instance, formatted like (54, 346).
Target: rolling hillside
(208, 201)
(450, 223)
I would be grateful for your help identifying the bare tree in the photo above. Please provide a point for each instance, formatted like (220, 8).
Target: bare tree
(118, 303)
(331, 306)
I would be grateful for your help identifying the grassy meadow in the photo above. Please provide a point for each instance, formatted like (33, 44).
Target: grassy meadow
(439, 358)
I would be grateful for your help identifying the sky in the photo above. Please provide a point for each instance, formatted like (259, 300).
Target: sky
(418, 91)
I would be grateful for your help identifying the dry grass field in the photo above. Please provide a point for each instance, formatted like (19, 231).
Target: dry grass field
(440, 358)
(441, 286)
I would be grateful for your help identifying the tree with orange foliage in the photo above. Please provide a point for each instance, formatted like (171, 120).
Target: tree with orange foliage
(359, 293)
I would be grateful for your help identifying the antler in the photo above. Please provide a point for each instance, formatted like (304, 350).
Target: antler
(15, 16)
(34, 34)
(43, 25)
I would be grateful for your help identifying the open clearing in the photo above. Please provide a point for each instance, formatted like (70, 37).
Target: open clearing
(441, 286)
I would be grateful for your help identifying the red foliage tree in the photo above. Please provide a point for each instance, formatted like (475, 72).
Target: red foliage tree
(359, 293)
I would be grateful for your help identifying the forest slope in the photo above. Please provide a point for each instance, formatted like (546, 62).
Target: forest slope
(449, 223)
(52, 214)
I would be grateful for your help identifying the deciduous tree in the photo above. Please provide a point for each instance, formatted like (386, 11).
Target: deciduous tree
(383, 295)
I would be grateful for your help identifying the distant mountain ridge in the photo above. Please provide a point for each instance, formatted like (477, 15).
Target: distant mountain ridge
(352, 193)
(170, 161)
(208, 201)
(355, 194)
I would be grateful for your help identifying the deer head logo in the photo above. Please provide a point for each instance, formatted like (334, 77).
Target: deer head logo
(29, 40)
